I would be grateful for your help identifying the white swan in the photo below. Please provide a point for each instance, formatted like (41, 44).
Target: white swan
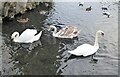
(86, 49)
(28, 36)
(65, 32)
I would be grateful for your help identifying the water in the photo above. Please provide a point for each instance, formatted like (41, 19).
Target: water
(48, 56)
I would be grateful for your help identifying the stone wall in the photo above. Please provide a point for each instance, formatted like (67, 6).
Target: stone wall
(10, 9)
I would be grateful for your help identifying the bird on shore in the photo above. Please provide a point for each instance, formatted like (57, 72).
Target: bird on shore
(27, 36)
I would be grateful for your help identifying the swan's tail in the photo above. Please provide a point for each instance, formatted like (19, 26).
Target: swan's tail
(71, 52)
(74, 52)
(39, 35)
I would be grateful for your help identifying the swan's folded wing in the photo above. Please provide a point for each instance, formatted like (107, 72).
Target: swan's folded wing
(84, 50)
(27, 34)
(35, 38)
(61, 31)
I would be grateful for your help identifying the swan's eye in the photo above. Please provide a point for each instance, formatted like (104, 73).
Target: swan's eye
(16, 35)
(102, 34)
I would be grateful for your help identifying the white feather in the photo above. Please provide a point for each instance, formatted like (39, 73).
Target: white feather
(28, 36)
(84, 50)
(87, 49)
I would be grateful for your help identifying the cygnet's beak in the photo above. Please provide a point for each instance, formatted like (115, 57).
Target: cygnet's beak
(49, 29)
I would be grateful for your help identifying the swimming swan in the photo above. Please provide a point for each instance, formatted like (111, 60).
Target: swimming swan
(86, 49)
(65, 32)
(28, 36)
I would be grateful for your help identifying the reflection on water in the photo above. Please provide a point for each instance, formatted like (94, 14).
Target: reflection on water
(49, 55)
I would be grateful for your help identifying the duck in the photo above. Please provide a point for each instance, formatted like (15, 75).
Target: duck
(104, 8)
(87, 49)
(43, 12)
(27, 36)
(65, 32)
(23, 20)
(106, 13)
(89, 8)
(81, 3)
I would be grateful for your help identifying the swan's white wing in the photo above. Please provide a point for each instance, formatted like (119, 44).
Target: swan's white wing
(61, 31)
(27, 35)
(84, 50)
(35, 38)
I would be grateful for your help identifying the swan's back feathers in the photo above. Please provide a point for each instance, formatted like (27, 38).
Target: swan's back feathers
(67, 32)
(27, 34)
(35, 38)
(61, 31)
(84, 50)
(87, 49)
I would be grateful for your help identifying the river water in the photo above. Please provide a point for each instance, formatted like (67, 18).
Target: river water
(48, 56)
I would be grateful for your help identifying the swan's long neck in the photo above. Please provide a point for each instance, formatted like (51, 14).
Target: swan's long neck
(96, 40)
(55, 29)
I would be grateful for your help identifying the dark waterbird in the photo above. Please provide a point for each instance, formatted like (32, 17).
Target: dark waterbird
(104, 8)
(107, 14)
(81, 3)
(89, 8)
